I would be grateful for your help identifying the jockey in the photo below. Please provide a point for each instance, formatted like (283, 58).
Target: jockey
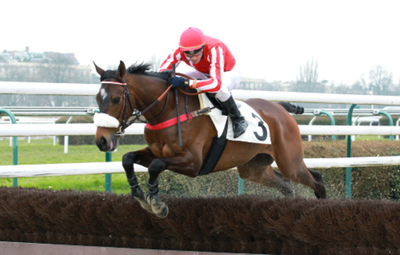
(213, 72)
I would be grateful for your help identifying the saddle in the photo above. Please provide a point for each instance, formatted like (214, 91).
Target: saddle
(257, 131)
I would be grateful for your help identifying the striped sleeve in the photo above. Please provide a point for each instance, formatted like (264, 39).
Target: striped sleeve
(173, 58)
(216, 68)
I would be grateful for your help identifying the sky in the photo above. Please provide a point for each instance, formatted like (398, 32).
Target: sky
(270, 40)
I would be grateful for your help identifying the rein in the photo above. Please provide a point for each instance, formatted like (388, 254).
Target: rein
(185, 92)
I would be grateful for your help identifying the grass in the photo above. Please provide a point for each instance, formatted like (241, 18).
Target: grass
(373, 138)
(42, 151)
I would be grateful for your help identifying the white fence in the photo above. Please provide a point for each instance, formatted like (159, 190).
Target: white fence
(116, 167)
(40, 88)
(23, 130)
(40, 170)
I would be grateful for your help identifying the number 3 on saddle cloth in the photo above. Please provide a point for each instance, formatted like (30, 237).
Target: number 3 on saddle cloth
(256, 132)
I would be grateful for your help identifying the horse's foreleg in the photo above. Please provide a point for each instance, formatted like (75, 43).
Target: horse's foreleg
(158, 207)
(144, 157)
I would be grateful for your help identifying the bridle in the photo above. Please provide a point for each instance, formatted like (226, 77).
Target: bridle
(136, 114)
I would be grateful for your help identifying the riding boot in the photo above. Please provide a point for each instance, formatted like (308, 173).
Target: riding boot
(239, 124)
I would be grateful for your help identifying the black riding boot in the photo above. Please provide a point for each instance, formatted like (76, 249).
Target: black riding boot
(239, 124)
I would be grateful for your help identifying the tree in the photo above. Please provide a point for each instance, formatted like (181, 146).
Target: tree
(307, 80)
(340, 88)
(156, 62)
(58, 68)
(380, 81)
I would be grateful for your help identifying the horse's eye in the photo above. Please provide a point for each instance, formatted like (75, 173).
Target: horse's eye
(116, 100)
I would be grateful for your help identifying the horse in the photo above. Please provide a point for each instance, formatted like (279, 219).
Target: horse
(129, 94)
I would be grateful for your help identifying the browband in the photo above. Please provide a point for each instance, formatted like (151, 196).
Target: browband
(113, 82)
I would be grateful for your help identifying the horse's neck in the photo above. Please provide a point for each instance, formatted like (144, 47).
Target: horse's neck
(145, 90)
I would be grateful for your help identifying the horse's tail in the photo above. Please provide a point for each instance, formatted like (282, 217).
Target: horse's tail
(295, 109)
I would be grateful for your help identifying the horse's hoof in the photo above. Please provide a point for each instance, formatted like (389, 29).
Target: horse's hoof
(158, 207)
(164, 212)
(144, 205)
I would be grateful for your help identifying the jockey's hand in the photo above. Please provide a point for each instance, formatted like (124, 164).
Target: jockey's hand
(179, 82)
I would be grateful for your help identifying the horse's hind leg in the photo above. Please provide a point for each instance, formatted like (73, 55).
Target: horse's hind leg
(320, 191)
(282, 184)
(259, 170)
(143, 157)
(300, 173)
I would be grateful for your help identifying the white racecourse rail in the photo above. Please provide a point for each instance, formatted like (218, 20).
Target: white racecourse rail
(9, 171)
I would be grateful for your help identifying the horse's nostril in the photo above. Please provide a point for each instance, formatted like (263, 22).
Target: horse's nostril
(102, 144)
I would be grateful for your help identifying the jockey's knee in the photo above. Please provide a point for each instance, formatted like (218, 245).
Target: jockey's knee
(223, 95)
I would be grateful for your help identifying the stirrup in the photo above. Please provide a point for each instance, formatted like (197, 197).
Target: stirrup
(239, 126)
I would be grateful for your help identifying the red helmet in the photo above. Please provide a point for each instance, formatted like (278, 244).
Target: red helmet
(192, 39)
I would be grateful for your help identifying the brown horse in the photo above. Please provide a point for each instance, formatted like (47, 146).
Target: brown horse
(136, 92)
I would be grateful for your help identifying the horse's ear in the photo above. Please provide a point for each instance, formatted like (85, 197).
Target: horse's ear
(98, 69)
(121, 70)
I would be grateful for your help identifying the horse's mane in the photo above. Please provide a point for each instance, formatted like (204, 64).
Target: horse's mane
(144, 69)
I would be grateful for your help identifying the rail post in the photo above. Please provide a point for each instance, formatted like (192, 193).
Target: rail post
(108, 177)
(348, 169)
(240, 185)
(332, 121)
(390, 120)
(15, 142)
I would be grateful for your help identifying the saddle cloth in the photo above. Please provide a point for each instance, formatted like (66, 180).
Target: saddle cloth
(256, 132)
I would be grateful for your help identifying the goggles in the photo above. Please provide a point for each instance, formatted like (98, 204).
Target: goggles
(191, 53)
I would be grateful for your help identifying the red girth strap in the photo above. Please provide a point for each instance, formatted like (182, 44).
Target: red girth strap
(182, 117)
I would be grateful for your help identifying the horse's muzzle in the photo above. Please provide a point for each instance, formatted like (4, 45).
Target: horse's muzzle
(107, 144)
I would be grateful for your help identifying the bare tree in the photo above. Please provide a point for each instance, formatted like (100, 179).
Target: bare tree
(58, 68)
(339, 88)
(156, 62)
(379, 83)
(380, 80)
(307, 80)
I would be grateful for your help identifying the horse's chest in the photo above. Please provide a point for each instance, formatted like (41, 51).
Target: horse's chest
(163, 144)
(162, 150)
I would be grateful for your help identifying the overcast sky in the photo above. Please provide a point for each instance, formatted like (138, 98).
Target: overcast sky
(270, 39)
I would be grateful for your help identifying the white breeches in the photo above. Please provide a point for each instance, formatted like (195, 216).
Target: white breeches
(230, 80)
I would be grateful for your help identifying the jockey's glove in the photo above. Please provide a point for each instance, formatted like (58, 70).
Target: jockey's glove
(178, 82)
